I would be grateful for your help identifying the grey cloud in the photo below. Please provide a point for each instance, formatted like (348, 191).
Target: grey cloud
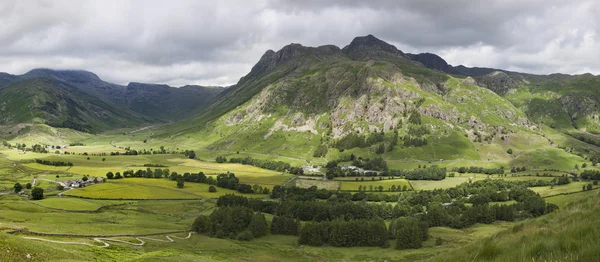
(217, 42)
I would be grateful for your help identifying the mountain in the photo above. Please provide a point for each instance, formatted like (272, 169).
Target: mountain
(80, 100)
(569, 103)
(59, 104)
(165, 102)
(314, 101)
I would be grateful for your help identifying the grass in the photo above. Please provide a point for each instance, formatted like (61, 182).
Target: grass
(386, 183)
(569, 235)
(148, 188)
(562, 189)
(68, 204)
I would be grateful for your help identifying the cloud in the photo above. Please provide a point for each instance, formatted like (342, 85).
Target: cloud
(216, 42)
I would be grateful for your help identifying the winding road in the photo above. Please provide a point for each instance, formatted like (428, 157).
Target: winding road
(104, 240)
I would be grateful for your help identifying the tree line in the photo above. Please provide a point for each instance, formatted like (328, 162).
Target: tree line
(53, 163)
(227, 180)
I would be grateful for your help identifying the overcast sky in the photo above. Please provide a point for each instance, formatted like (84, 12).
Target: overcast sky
(217, 42)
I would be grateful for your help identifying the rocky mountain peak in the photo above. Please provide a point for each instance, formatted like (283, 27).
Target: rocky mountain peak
(368, 46)
(431, 61)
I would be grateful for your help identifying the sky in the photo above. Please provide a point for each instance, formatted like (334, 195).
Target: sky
(181, 42)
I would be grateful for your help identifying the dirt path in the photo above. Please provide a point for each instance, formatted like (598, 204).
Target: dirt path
(104, 240)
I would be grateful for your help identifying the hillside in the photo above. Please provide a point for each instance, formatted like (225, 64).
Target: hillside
(81, 101)
(568, 235)
(58, 104)
(319, 101)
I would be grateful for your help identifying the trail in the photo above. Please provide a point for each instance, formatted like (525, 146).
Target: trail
(287, 182)
(104, 240)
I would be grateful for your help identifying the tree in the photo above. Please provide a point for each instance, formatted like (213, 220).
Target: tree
(408, 234)
(589, 186)
(110, 175)
(584, 165)
(84, 178)
(180, 182)
(202, 224)
(18, 187)
(37, 193)
(509, 151)
(258, 225)
(212, 189)
(28, 186)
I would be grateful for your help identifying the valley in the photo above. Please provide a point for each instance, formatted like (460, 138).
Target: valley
(360, 153)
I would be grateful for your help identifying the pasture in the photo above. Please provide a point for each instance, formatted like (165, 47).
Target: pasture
(369, 185)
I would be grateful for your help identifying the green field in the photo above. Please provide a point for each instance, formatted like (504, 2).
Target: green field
(386, 184)
(149, 188)
(68, 204)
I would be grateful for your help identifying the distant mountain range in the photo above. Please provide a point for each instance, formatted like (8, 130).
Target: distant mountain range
(80, 100)
(313, 101)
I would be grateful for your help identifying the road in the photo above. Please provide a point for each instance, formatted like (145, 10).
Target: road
(104, 240)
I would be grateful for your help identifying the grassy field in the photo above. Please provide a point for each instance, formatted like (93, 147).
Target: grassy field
(386, 184)
(68, 204)
(319, 183)
(149, 188)
(569, 235)
(562, 189)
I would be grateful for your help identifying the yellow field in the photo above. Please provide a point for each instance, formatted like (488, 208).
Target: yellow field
(148, 188)
(386, 183)
(46, 167)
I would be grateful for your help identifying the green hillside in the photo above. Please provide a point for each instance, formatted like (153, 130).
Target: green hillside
(58, 104)
(568, 235)
(371, 99)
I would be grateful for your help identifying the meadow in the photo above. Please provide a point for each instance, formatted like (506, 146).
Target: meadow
(148, 205)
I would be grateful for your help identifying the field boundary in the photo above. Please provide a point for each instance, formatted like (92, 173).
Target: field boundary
(33, 233)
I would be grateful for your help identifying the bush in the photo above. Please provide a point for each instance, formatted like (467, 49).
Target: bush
(509, 151)
(245, 235)
(37, 193)
(212, 189)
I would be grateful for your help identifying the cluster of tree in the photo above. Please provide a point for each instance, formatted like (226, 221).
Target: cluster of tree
(376, 163)
(380, 188)
(589, 186)
(34, 148)
(76, 144)
(458, 215)
(563, 180)
(228, 180)
(236, 222)
(590, 174)
(221, 159)
(478, 170)
(518, 169)
(414, 141)
(321, 150)
(415, 117)
(382, 143)
(285, 226)
(409, 232)
(279, 166)
(53, 163)
(342, 233)
(154, 165)
(417, 131)
(427, 173)
(37, 193)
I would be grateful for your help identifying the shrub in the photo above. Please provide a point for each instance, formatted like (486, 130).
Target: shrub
(245, 235)
(37, 193)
